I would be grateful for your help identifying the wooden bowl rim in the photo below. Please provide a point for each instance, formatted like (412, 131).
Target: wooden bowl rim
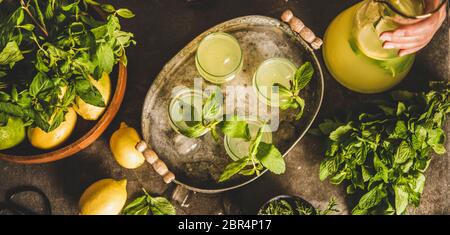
(87, 139)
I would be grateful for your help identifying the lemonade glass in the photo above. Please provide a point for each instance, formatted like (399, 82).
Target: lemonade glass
(270, 72)
(219, 58)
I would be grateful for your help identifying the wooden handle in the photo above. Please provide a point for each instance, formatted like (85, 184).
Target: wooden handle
(299, 27)
(158, 165)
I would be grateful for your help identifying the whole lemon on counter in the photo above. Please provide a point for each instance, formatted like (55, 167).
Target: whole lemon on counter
(12, 134)
(48, 140)
(104, 197)
(91, 112)
(123, 146)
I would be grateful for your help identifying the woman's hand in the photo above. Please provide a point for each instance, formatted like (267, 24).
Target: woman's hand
(411, 38)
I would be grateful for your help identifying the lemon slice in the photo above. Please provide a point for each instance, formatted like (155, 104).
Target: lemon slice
(370, 44)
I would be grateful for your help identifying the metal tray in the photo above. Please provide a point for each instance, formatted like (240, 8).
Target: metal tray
(260, 38)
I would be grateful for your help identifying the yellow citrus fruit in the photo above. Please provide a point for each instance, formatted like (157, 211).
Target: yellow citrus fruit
(48, 140)
(12, 134)
(104, 197)
(123, 146)
(89, 111)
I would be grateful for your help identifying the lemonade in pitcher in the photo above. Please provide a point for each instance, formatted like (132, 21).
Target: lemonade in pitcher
(353, 52)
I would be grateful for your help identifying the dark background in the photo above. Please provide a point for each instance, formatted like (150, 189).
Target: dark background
(162, 28)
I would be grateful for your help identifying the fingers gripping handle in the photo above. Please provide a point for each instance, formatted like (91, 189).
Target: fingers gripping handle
(299, 27)
(158, 165)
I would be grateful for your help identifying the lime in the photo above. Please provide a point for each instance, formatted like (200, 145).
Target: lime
(12, 133)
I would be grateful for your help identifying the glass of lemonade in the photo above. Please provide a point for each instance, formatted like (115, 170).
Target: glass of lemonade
(219, 58)
(238, 148)
(269, 72)
(185, 113)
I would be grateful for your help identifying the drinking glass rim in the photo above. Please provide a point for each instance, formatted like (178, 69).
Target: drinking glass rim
(423, 16)
(266, 61)
(240, 53)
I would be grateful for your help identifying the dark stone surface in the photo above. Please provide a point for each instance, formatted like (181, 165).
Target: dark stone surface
(162, 28)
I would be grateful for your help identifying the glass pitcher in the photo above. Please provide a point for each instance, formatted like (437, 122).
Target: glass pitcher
(353, 52)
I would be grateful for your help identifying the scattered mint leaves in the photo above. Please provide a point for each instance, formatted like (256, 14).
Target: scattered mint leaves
(146, 203)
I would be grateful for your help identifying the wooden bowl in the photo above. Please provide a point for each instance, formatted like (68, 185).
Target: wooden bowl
(85, 133)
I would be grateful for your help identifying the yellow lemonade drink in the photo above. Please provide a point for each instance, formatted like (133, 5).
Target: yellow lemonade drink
(354, 54)
(219, 58)
(270, 72)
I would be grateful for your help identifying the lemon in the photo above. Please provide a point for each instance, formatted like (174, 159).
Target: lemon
(48, 140)
(89, 111)
(12, 134)
(104, 197)
(123, 146)
(370, 44)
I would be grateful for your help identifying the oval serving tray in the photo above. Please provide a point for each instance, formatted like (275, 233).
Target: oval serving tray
(260, 38)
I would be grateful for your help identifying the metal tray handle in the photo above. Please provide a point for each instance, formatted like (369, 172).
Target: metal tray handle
(299, 27)
(158, 165)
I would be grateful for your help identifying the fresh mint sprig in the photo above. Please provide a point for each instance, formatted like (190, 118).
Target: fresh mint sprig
(289, 97)
(211, 108)
(261, 155)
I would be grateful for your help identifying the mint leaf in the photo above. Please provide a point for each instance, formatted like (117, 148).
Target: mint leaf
(270, 158)
(211, 107)
(125, 13)
(303, 76)
(108, 8)
(88, 93)
(234, 168)
(340, 132)
(328, 168)
(401, 199)
(161, 206)
(235, 128)
(370, 199)
(105, 57)
(403, 153)
(10, 54)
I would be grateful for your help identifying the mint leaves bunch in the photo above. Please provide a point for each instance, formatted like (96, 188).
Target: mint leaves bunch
(146, 203)
(260, 154)
(289, 97)
(48, 51)
(384, 155)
